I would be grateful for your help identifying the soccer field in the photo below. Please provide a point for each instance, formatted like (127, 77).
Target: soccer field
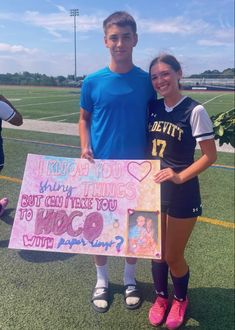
(62, 104)
(41, 290)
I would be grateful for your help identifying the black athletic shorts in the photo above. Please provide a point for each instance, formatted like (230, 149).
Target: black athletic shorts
(181, 200)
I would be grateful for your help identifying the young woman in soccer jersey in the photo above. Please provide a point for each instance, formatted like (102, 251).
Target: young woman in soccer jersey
(176, 124)
(11, 115)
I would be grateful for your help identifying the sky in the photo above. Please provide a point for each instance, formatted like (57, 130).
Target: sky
(38, 35)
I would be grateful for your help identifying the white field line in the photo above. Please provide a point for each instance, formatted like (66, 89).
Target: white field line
(68, 114)
(33, 104)
(213, 99)
(72, 129)
(61, 120)
(38, 97)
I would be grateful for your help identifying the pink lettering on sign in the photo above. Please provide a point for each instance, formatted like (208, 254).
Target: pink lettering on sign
(109, 189)
(38, 241)
(93, 226)
(105, 204)
(57, 167)
(78, 203)
(31, 200)
(58, 222)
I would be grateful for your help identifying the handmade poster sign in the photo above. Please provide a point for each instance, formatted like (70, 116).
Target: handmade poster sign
(109, 207)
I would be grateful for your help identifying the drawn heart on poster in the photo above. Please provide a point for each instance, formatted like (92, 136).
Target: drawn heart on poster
(139, 171)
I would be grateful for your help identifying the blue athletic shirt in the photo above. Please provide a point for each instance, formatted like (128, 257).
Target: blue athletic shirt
(118, 103)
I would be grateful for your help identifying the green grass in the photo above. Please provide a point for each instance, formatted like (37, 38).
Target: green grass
(225, 158)
(214, 102)
(218, 194)
(52, 104)
(62, 104)
(42, 290)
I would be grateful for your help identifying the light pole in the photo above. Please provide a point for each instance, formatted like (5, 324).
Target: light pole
(75, 13)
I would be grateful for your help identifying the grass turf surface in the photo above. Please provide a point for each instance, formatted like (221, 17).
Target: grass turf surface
(41, 290)
(62, 104)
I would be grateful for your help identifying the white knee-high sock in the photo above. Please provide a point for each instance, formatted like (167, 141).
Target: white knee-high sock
(129, 274)
(102, 276)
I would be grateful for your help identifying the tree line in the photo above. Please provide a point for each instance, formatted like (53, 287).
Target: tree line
(36, 79)
(215, 74)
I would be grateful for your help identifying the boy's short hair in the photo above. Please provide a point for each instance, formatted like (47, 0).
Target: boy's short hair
(120, 18)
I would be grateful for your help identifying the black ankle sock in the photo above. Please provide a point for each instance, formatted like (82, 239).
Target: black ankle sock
(160, 278)
(180, 286)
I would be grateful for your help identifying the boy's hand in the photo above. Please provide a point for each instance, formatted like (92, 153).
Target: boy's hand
(88, 154)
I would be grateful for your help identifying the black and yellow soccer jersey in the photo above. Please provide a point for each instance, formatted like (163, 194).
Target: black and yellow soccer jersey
(174, 132)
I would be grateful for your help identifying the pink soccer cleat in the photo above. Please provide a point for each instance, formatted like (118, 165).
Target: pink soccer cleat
(3, 203)
(158, 311)
(176, 315)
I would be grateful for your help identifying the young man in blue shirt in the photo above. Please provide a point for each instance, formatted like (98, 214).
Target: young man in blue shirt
(113, 125)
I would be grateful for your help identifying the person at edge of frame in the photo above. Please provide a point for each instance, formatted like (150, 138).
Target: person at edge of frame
(113, 125)
(176, 124)
(7, 113)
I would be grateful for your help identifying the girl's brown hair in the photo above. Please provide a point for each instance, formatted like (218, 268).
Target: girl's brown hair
(167, 59)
